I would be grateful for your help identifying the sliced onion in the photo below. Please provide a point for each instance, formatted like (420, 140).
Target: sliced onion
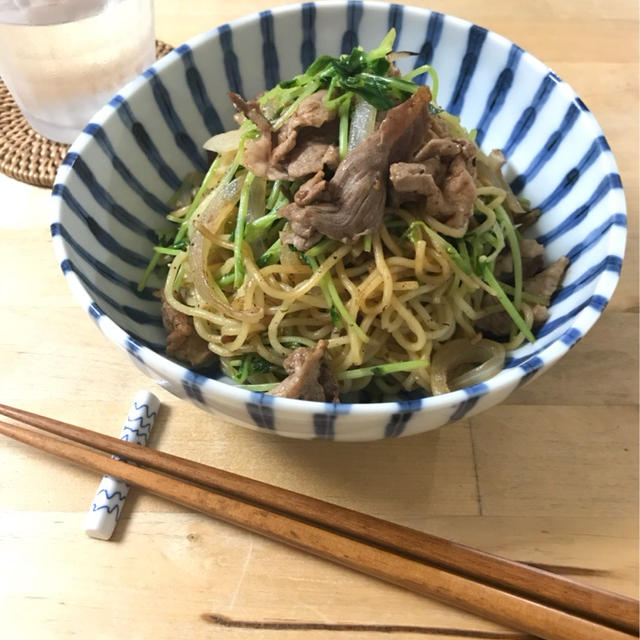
(257, 197)
(198, 270)
(216, 206)
(256, 209)
(224, 142)
(215, 210)
(287, 256)
(490, 170)
(363, 122)
(456, 353)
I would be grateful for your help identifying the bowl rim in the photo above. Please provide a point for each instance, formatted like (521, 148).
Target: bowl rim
(604, 284)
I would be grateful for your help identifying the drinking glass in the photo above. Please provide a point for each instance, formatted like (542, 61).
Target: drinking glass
(63, 59)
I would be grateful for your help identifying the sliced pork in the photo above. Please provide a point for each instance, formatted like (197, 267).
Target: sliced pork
(183, 343)
(532, 260)
(352, 203)
(543, 284)
(490, 174)
(439, 179)
(310, 377)
(302, 146)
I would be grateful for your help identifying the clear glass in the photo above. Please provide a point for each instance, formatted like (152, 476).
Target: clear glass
(64, 59)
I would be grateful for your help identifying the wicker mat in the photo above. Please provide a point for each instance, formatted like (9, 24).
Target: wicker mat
(26, 155)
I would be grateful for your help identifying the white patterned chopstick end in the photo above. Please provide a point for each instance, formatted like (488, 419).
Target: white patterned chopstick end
(108, 502)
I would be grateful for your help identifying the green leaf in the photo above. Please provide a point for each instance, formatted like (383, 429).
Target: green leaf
(518, 320)
(318, 65)
(352, 63)
(270, 256)
(385, 47)
(251, 363)
(382, 369)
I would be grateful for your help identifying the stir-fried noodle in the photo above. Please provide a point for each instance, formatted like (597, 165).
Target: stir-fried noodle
(398, 306)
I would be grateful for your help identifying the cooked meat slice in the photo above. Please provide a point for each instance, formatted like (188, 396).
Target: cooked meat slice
(302, 234)
(496, 324)
(314, 150)
(183, 343)
(499, 324)
(546, 282)
(531, 253)
(540, 315)
(526, 219)
(438, 128)
(504, 266)
(310, 377)
(411, 179)
(311, 113)
(530, 248)
(404, 127)
(357, 192)
(258, 153)
(252, 111)
(532, 261)
(490, 174)
(440, 178)
(458, 195)
(446, 148)
(304, 139)
(543, 284)
(311, 189)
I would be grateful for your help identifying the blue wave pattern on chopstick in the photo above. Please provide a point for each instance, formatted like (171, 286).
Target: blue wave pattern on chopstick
(526, 127)
(148, 414)
(112, 493)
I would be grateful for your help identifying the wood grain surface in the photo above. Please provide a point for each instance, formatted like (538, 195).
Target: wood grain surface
(550, 477)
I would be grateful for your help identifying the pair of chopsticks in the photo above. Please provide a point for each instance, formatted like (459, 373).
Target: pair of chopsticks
(517, 595)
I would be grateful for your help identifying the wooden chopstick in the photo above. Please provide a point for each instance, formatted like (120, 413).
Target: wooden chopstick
(597, 604)
(484, 599)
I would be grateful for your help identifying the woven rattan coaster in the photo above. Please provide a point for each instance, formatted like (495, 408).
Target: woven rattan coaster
(26, 155)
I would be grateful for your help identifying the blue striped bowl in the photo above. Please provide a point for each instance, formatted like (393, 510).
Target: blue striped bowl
(111, 191)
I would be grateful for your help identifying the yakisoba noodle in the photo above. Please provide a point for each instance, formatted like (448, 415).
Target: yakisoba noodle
(397, 306)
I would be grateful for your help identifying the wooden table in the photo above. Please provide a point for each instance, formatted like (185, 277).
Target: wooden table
(550, 477)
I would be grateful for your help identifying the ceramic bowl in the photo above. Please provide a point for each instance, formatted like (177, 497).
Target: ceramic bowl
(111, 191)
